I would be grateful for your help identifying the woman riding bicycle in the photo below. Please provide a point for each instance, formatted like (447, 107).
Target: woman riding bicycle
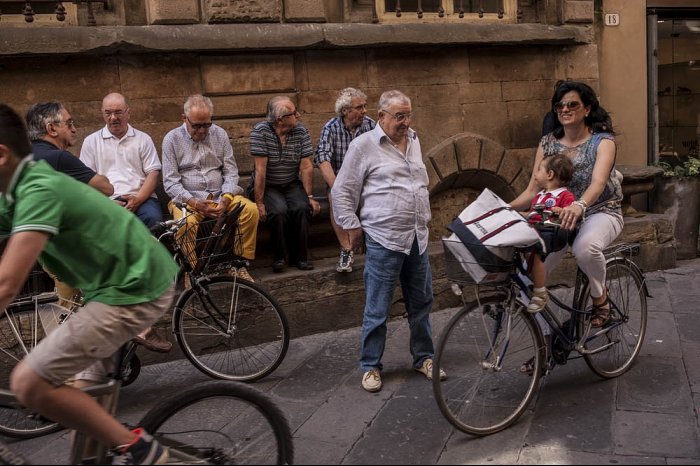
(583, 132)
(93, 244)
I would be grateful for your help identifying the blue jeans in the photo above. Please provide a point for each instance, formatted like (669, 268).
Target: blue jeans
(150, 212)
(383, 269)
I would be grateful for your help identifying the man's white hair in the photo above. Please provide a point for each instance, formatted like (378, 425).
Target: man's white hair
(345, 99)
(389, 98)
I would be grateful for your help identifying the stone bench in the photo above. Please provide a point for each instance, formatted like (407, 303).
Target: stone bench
(637, 179)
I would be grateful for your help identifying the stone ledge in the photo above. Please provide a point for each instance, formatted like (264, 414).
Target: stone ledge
(105, 40)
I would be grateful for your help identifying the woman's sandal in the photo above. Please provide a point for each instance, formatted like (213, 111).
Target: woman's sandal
(538, 302)
(600, 314)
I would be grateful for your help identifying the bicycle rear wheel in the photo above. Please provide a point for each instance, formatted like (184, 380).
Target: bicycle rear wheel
(221, 423)
(618, 343)
(482, 350)
(21, 329)
(231, 329)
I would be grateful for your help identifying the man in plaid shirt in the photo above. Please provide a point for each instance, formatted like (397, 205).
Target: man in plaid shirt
(336, 135)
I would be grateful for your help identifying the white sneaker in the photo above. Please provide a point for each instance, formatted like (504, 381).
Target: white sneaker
(427, 370)
(372, 381)
(345, 261)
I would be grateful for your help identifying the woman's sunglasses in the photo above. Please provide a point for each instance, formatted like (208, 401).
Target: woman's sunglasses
(571, 105)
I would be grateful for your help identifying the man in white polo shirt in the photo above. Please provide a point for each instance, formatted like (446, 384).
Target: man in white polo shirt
(128, 158)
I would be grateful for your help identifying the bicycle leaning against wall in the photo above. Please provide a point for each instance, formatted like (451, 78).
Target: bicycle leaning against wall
(496, 352)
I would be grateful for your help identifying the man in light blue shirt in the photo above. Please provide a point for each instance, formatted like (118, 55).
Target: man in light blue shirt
(384, 176)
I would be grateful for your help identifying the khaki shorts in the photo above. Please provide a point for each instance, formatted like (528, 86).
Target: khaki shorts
(91, 337)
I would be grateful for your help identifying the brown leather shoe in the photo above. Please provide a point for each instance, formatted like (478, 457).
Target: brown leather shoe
(154, 342)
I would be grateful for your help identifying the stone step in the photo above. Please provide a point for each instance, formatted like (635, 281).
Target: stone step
(323, 300)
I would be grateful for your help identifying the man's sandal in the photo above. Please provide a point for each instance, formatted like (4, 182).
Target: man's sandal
(600, 314)
(528, 367)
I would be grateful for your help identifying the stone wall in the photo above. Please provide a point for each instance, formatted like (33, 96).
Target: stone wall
(498, 93)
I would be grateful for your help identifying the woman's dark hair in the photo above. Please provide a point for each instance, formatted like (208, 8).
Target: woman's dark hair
(562, 167)
(13, 132)
(598, 118)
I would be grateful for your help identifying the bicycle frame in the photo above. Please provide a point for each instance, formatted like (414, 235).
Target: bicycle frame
(567, 332)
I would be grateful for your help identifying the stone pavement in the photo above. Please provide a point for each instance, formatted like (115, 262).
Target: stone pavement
(647, 416)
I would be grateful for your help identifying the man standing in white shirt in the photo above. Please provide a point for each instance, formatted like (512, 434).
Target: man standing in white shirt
(384, 178)
(128, 158)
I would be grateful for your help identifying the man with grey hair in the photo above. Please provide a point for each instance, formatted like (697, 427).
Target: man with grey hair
(384, 176)
(199, 170)
(282, 182)
(336, 135)
(52, 131)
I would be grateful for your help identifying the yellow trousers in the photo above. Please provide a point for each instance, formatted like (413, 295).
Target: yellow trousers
(247, 225)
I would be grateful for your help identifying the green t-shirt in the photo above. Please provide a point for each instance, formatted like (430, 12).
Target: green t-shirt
(95, 244)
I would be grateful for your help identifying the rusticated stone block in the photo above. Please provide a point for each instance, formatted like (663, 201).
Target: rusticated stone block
(172, 11)
(468, 151)
(444, 158)
(526, 121)
(488, 119)
(491, 155)
(579, 63)
(242, 11)
(510, 168)
(510, 64)
(147, 76)
(578, 11)
(305, 11)
(480, 92)
(243, 74)
(243, 106)
(347, 65)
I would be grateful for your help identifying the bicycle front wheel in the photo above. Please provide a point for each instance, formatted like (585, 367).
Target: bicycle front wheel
(611, 350)
(493, 362)
(221, 423)
(231, 329)
(20, 331)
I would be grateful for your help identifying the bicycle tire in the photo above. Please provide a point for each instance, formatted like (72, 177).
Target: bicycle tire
(221, 422)
(32, 325)
(481, 395)
(244, 341)
(626, 328)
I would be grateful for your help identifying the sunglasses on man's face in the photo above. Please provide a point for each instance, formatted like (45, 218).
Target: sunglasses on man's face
(571, 105)
(198, 126)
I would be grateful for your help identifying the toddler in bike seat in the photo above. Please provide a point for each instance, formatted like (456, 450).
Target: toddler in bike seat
(552, 175)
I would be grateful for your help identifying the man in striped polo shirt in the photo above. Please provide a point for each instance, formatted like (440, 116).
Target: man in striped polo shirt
(282, 182)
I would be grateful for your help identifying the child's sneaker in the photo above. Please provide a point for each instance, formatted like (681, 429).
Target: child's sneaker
(538, 301)
(143, 450)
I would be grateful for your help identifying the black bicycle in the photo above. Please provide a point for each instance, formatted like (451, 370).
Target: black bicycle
(229, 328)
(495, 352)
(217, 422)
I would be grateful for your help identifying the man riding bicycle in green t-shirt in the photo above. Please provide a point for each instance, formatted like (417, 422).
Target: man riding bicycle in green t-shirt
(93, 244)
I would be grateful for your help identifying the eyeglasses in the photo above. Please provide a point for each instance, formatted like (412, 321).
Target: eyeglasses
(571, 105)
(400, 117)
(116, 113)
(198, 126)
(294, 113)
(69, 123)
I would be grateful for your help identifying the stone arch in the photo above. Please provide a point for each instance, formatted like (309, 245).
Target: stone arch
(460, 167)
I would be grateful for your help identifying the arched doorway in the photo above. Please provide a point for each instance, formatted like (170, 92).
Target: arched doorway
(463, 165)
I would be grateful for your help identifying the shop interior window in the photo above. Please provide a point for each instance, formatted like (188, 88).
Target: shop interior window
(679, 89)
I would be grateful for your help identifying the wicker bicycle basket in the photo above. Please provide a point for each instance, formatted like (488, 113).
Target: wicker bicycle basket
(212, 245)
